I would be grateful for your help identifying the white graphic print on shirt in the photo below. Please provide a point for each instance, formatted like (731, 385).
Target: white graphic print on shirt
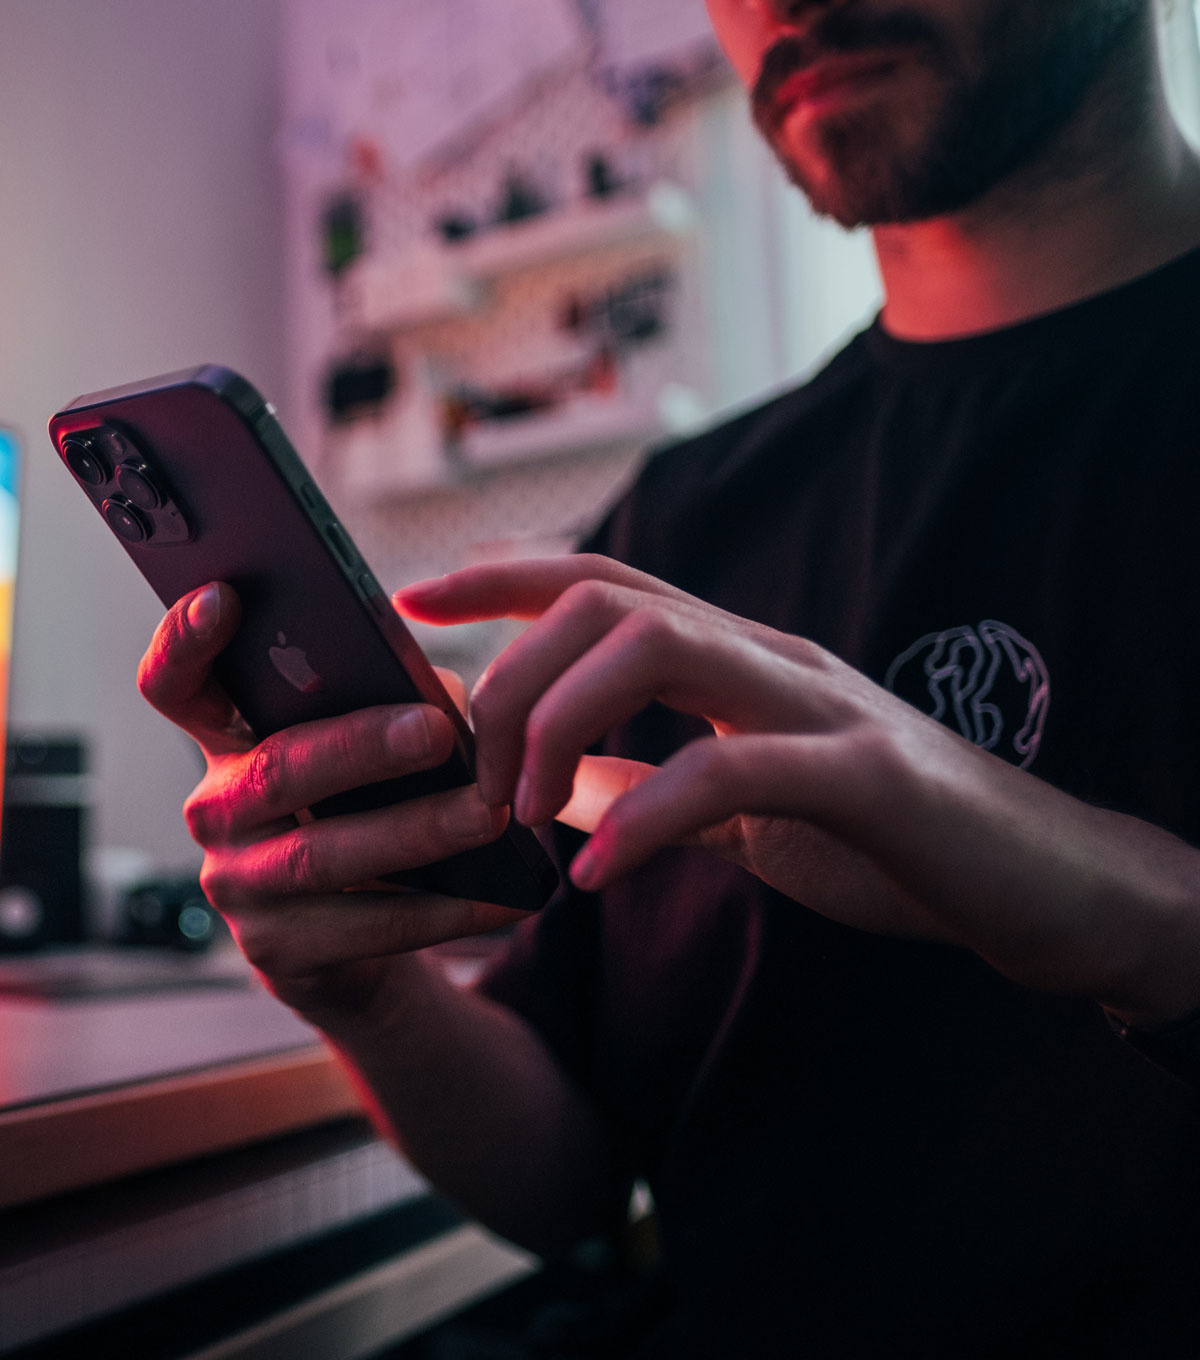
(989, 682)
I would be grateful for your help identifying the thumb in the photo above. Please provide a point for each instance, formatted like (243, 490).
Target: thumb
(599, 782)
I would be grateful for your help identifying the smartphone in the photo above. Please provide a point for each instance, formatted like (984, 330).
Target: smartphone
(194, 475)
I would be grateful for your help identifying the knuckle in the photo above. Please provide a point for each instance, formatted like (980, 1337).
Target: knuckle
(588, 596)
(155, 663)
(297, 864)
(713, 769)
(263, 935)
(215, 884)
(603, 571)
(266, 771)
(147, 677)
(488, 700)
(803, 652)
(205, 816)
(706, 763)
(265, 948)
(650, 629)
(400, 933)
(197, 816)
(542, 734)
(152, 681)
(361, 736)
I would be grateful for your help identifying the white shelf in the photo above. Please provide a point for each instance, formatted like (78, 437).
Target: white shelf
(584, 426)
(434, 283)
(421, 288)
(373, 465)
(665, 211)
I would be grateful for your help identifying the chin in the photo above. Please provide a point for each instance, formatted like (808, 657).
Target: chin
(855, 171)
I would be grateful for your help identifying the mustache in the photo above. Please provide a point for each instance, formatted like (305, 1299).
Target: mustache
(840, 33)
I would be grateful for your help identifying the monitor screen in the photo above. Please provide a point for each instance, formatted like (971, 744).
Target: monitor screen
(9, 463)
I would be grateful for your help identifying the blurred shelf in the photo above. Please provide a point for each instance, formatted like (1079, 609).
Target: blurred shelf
(583, 426)
(372, 469)
(665, 211)
(434, 283)
(421, 288)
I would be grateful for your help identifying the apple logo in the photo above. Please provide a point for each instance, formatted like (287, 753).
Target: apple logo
(292, 664)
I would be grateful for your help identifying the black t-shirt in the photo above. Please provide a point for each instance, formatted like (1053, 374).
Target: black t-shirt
(863, 1146)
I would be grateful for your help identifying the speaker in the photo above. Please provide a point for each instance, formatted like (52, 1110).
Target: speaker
(170, 911)
(42, 839)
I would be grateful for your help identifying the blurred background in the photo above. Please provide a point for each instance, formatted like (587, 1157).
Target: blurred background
(481, 255)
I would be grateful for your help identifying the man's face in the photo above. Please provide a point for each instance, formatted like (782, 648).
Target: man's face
(903, 110)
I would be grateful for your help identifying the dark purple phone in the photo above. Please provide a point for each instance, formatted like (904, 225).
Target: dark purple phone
(195, 476)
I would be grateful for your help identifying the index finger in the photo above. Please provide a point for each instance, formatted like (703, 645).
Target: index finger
(175, 674)
(518, 590)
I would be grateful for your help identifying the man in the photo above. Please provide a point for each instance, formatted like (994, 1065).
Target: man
(834, 977)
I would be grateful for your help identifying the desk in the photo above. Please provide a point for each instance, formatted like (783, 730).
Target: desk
(152, 1138)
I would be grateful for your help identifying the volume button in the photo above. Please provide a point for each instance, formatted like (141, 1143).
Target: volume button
(341, 544)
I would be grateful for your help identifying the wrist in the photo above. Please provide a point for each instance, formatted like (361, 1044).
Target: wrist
(1156, 946)
(360, 999)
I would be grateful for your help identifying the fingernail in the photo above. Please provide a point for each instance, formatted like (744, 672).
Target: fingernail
(488, 787)
(418, 590)
(408, 735)
(523, 803)
(473, 820)
(585, 869)
(204, 612)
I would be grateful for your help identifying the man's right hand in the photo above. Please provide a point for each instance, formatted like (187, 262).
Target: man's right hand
(283, 881)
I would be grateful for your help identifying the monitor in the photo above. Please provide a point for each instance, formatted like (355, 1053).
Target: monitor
(9, 470)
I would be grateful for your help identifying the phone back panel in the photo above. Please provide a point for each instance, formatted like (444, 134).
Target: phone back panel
(318, 636)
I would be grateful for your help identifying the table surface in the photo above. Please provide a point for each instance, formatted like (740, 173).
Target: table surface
(84, 1021)
(112, 1065)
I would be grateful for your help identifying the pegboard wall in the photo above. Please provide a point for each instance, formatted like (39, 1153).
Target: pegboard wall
(412, 127)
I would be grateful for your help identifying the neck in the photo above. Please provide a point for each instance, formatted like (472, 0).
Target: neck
(1116, 195)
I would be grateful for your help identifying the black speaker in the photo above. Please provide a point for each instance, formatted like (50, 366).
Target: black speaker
(42, 839)
(171, 911)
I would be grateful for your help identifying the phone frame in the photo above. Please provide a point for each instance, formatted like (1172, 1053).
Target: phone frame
(163, 420)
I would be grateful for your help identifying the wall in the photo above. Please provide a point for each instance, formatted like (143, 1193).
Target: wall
(787, 288)
(140, 224)
(1179, 42)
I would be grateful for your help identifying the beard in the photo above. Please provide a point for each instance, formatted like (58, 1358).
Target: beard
(878, 164)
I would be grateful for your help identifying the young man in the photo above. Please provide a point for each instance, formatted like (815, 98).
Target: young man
(896, 801)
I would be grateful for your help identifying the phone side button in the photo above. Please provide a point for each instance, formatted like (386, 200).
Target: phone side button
(372, 593)
(341, 544)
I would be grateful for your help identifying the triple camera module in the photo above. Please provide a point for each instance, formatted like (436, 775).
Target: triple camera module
(123, 486)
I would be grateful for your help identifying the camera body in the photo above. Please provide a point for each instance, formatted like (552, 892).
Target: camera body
(120, 482)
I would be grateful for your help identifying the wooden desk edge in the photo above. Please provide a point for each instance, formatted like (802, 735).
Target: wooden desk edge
(50, 1148)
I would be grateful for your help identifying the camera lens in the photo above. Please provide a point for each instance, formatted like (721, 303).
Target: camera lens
(125, 521)
(85, 460)
(113, 442)
(135, 485)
